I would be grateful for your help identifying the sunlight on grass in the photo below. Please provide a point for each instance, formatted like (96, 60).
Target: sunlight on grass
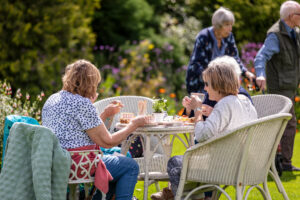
(290, 180)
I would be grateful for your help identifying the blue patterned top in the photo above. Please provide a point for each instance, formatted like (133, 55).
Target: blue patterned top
(69, 116)
(203, 53)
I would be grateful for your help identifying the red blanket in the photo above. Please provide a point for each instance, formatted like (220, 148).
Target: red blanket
(102, 175)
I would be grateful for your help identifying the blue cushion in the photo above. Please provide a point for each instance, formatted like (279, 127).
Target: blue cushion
(9, 121)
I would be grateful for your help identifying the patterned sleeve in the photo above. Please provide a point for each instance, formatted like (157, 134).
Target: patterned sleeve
(233, 51)
(88, 117)
(197, 64)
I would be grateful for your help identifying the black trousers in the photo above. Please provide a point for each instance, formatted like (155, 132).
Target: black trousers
(288, 138)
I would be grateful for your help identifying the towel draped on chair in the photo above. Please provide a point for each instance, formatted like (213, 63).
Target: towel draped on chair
(102, 175)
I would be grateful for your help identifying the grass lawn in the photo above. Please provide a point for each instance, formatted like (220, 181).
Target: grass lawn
(290, 180)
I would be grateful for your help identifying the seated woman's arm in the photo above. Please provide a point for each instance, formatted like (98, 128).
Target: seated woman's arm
(110, 111)
(101, 136)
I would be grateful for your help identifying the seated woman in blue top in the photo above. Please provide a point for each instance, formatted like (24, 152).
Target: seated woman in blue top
(73, 118)
(211, 43)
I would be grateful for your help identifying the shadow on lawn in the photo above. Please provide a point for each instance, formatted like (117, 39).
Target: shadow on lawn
(287, 176)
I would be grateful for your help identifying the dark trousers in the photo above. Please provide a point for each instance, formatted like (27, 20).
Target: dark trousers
(288, 138)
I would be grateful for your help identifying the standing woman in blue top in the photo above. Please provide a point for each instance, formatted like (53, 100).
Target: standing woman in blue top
(213, 42)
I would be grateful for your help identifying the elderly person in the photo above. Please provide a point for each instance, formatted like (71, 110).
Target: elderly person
(213, 42)
(231, 111)
(74, 120)
(278, 62)
(207, 104)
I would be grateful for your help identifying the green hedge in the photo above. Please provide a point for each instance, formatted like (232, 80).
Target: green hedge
(39, 38)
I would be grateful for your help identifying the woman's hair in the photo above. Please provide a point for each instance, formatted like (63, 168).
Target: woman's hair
(222, 77)
(81, 77)
(221, 16)
(288, 8)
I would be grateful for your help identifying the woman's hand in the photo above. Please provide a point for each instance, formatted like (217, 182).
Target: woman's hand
(195, 102)
(206, 110)
(250, 76)
(186, 102)
(139, 121)
(111, 109)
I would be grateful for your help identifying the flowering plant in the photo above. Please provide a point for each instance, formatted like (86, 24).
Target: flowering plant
(249, 52)
(17, 105)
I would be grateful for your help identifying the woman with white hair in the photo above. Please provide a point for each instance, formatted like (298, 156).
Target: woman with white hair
(207, 104)
(213, 42)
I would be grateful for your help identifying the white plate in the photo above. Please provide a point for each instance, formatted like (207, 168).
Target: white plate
(171, 123)
(151, 124)
(189, 124)
(121, 125)
(118, 124)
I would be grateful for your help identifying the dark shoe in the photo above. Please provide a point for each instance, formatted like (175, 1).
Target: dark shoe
(290, 168)
(166, 194)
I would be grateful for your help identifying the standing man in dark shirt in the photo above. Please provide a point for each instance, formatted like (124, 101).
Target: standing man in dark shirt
(278, 64)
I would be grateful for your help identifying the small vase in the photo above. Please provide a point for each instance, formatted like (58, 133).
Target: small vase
(158, 117)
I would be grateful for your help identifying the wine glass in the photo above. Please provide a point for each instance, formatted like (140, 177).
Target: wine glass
(200, 95)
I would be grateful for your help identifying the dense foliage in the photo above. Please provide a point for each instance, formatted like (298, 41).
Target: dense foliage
(142, 46)
(118, 21)
(39, 38)
(253, 18)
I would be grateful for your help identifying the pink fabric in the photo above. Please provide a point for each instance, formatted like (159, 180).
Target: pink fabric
(102, 175)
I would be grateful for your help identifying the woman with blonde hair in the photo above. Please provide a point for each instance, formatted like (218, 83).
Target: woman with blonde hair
(232, 110)
(74, 120)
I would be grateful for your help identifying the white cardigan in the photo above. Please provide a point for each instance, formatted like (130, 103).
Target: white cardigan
(229, 113)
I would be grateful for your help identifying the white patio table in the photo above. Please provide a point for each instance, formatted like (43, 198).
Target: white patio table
(157, 163)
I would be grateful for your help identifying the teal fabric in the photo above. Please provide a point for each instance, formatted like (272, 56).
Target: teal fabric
(9, 121)
(35, 166)
(112, 150)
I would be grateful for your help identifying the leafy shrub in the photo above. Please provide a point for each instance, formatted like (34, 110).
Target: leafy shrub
(118, 21)
(17, 105)
(39, 38)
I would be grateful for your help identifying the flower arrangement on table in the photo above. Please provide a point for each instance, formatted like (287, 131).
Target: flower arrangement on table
(159, 109)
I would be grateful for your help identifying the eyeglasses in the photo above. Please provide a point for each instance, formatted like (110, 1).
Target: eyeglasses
(206, 84)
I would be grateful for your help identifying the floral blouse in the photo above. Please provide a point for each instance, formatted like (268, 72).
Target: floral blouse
(69, 116)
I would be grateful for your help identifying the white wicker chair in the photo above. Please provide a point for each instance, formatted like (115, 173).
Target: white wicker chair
(131, 105)
(85, 175)
(270, 104)
(239, 158)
